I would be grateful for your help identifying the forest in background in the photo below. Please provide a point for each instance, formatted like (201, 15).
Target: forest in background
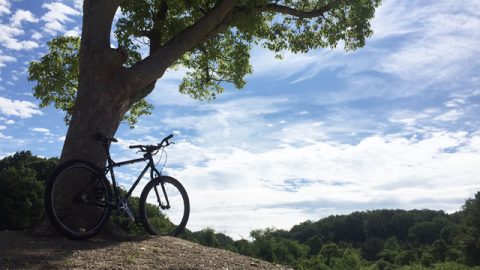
(378, 239)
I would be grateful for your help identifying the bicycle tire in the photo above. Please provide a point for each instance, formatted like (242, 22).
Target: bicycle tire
(77, 199)
(164, 221)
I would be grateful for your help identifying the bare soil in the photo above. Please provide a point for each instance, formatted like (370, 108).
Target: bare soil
(19, 250)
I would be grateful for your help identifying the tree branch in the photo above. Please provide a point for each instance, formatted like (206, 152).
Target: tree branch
(215, 21)
(97, 23)
(151, 68)
(142, 93)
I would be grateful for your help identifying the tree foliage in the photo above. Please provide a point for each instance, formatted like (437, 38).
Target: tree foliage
(218, 56)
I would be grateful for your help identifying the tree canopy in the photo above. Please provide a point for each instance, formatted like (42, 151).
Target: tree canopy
(211, 39)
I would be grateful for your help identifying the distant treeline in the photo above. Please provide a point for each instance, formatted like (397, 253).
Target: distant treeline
(379, 239)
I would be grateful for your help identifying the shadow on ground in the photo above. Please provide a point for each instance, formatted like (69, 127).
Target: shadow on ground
(22, 250)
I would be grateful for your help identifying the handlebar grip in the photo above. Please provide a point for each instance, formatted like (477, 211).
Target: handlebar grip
(168, 137)
(135, 146)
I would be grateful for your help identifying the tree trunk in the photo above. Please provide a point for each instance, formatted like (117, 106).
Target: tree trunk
(94, 112)
(98, 106)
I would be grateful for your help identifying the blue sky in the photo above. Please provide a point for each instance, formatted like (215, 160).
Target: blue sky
(392, 125)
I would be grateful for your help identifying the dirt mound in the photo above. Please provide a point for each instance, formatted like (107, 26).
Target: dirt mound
(21, 251)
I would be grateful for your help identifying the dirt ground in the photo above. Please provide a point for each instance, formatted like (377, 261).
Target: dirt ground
(18, 250)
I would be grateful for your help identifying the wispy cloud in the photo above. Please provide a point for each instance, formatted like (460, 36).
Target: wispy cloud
(6, 59)
(428, 46)
(231, 122)
(22, 16)
(7, 121)
(5, 137)
(41, 130)
(449, 116)
(443, 45)
(10, 41)
(19, 108)
(166, 90)
(4, 7)
(57, 17)
(374, 173)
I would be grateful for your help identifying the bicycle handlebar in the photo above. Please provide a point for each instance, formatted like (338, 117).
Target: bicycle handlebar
(151, 148)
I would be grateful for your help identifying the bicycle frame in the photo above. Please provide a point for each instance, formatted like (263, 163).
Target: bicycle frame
(150, 165)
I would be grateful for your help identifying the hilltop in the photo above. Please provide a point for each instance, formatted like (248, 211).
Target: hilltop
(18, 250)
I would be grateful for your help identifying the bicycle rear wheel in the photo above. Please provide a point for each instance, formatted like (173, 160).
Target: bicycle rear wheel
(77, 199)
(164, 206)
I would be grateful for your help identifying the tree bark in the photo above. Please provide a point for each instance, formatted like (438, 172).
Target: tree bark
(97, 107)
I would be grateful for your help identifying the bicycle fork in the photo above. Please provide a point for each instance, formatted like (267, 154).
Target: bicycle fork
(160, 204)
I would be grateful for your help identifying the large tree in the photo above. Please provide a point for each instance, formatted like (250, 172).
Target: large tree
(99, 86)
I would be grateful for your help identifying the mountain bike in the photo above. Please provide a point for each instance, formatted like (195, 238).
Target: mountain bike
(79, 198)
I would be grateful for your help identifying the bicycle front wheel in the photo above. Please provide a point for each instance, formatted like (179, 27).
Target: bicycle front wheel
(164, 206)
(77, 198)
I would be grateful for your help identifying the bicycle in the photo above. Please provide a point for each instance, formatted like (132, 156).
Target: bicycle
(79, 200)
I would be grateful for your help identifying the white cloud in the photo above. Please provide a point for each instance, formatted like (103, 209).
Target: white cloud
(411, 118)
(294, 169)
(75, 32)
(22, 16)
(41, 130)
(37, 35)
(9, 40)
(78, 4)
(429, 43)
(4, 7)
(229, 123)
(265, 64)
(392, 19)
(450, 116)
(444, 43)
(19, 108)
(455, 103)
(319, 179)
(7, 121)
(166, 90)
(5, 59)
(5, 137)
(57, 16)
